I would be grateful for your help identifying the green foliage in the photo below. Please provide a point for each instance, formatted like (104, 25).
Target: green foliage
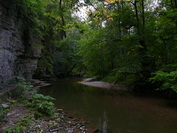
(130, 41)
(167, 80)
(22, 89)
(58, 38)
(120, 41)
(3, 113)
(16, 129)
(21, 126)
(65, 59)
(105, 54)
(92, 48)
(45, 65)
(20, 82)
(42, 105)
(25, 121)
(34, 9)
(110, 78)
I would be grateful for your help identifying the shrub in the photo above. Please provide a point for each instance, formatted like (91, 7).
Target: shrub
(42, 105)
(167, 80)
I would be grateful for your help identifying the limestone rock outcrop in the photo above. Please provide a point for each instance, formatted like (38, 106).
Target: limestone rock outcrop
(19, 52)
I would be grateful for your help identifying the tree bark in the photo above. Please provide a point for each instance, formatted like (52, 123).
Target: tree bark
(171, 1)
(140, 26)
(137, 17)
(69, 72)
(143, 26)
(63, 32)
(175, 3)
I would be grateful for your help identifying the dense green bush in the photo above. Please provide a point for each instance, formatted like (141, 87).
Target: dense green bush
(42, 105)
(167, 80)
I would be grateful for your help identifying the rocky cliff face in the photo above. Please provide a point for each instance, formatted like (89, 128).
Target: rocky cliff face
(18, 50)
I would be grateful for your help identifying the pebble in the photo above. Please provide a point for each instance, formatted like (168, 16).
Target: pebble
(5, 106)
(55, 132)
(69, 122)
(60, 110)
(69, 130)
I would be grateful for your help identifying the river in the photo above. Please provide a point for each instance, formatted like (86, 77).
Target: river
(115, 111)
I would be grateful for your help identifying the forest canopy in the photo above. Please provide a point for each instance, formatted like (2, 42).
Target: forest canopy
(126, 42)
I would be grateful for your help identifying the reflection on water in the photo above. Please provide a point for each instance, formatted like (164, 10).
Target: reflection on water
(105, 127)
(113, 111)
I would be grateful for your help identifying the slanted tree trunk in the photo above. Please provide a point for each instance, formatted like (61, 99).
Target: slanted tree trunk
(69, 72)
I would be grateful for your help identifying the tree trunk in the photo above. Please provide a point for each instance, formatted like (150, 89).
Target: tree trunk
(171, 1)
(137, 16)
(143, 26)
(140, 26)
(175, 3)
(63, 33)
(69, 72)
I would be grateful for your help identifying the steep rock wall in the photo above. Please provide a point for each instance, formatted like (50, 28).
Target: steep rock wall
(18, 50)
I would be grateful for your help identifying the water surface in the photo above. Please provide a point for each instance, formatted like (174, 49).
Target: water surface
(119, 112)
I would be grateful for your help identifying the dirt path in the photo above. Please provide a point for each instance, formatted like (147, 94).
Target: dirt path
(101, 84)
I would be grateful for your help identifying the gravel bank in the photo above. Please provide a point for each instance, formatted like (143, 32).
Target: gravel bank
(101, 84)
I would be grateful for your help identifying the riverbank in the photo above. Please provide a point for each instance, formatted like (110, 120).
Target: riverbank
(21, 112)
(101, 84)
(21, 119)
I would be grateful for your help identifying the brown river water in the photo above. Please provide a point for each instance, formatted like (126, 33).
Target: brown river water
(115, 111)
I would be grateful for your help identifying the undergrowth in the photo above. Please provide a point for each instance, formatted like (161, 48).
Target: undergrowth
(38, 105)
